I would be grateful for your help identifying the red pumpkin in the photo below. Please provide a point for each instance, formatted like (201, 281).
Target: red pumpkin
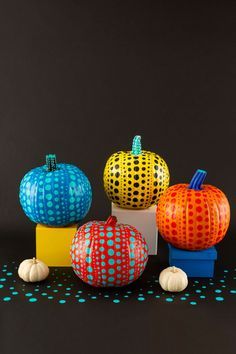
(108, 254)
(194, 216)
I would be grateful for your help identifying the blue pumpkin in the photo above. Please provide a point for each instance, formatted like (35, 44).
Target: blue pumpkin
(55, 194)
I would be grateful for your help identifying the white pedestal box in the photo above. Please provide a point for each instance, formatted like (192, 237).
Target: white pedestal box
(143, 220)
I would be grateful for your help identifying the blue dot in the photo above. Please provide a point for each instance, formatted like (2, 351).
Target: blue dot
(49, 196)
(33, 299)
(81, 300)
(90, 277)
(111, 261)
(15, 293)
(111, 252)
(102, 234)
(109, 234)
(141, 298)
(102, 249)
(132, 263)
(88, 259)
(193, 303)
(111, 271)
(218, 291)
(62, 301)
(102, 241)
(28, 294)
(110, 243)
(89, 269)
(110, 279)
(169, 299)
(7, 298)
(219, 298)
(116, 301)
(132, 239)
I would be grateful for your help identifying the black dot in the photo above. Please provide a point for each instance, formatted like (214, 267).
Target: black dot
(111, 180)
(117, 183)
(116, 190)
(117, 175)
(129, 169)
(135, 192)
(143, 175)
(156, 167)
(117, 166)
(129, 182)
(135, 200)
(136, 162)
(129, 194)
(136, 177)
(155, 191)
(136, 184)
(136, 168)
(155, 183)
(143, 168)
(129, 189)
(129, 175)
(155, 175)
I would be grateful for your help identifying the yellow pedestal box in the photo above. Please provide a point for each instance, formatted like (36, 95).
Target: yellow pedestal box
(53, 244)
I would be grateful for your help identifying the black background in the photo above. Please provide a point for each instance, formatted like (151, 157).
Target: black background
(80, 79)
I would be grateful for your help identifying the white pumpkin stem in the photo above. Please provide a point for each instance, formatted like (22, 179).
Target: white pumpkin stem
(174, 269)
(34, 260)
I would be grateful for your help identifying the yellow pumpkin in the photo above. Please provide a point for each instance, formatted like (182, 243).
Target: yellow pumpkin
(135, 179)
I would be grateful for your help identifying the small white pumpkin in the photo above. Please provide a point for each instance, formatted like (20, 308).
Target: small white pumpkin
(173, 279)
(33, 270)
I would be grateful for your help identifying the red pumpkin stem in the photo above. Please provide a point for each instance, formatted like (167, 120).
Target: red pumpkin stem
(111, 221)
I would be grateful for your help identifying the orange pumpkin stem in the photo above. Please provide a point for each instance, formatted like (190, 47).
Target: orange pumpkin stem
(111, 221)
(197, 180)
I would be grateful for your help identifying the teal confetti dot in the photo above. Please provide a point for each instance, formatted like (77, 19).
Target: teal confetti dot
(141, 298)
(33, 299)
(233, 291)
(28, 294)
(218, 291)
(169, 299)
(193, 303)
(219, 298)
(116, 301)
(81, 300)
(7, 298)
(62, 301)
(183, 298)
(1, 286)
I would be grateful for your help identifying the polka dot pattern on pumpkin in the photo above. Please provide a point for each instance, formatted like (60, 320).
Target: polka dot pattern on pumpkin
(106, 256)
(135, 181)
(191, 219)
(55, 198)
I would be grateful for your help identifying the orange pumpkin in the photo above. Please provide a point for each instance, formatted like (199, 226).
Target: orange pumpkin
(194, 216)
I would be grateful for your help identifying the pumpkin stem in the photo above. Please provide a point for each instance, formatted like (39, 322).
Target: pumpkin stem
(34, 260)
(197, 180)
(111, 221)
(174, 269)
(136, 146)
(51, 162)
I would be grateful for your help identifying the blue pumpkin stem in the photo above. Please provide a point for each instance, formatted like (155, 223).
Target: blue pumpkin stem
(51, 162)
(136, 146)
(197, 180)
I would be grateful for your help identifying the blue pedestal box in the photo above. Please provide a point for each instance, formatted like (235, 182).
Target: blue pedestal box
(194, 263)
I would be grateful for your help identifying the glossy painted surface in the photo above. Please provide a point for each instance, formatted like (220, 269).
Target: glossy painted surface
(135, 179)
(105, 255)
(55, 198)
(193, 219)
